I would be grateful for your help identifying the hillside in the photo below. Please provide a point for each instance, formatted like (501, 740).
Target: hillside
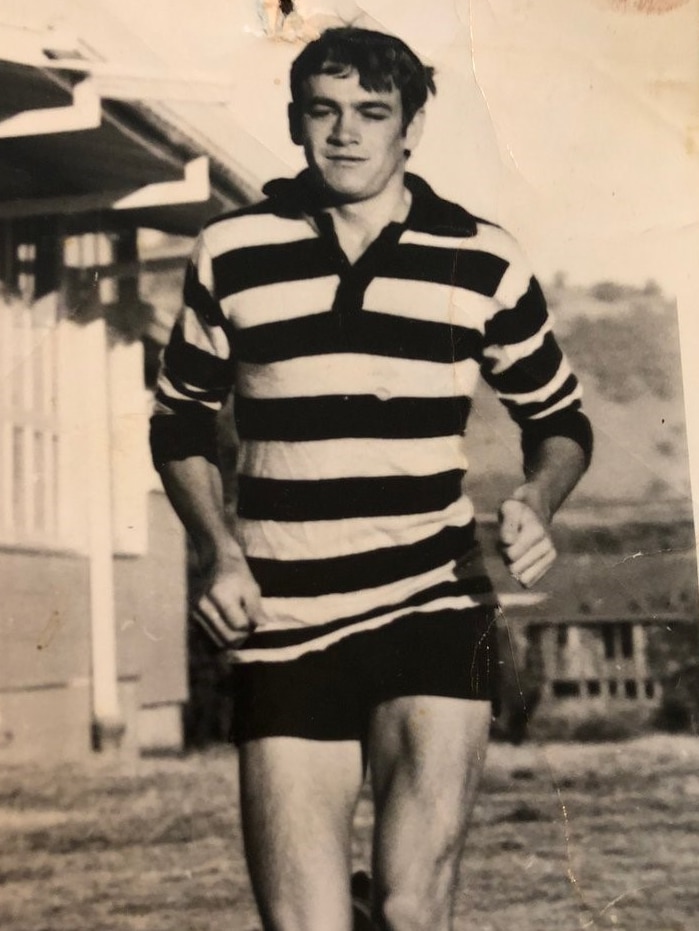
(624, 344)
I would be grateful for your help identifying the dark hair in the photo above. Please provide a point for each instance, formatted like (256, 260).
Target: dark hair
(382, 62)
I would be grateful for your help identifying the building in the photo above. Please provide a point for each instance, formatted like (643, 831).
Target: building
(92, 561)
(611, 631)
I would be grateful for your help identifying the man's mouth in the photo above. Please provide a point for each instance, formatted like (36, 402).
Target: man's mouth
(346, 159)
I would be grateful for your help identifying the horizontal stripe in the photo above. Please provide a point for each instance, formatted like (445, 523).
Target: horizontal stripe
(184, 401)
(196, 295)
(488, 238)
(196, 365)
(350, 373)
(501, 358)
(569, 422)
(254, 229)
(372, 333)
(212, 338)
(542, 391)
(292, 651)
(284, 300)
(571, 399)
(565, 395)
(252, 266)
(283, 578)
(334, 499)
(424, 300)
(514, 284)
(531, 373)
(300, 419)
(521, 321)
(473, 270)
(183, 390)
(287, 613)
(177, 438)
(325, 538)
(369, 456)
(267, 637)
(420, 238)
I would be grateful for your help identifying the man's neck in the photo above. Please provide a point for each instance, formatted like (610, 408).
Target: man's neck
(358, 224)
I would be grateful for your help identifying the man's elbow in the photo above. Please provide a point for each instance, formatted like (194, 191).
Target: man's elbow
(572, 425)
(174, 437)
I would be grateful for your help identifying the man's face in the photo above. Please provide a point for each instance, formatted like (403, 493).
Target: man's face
(353, 138)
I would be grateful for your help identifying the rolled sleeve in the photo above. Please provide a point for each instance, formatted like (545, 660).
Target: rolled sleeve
(529, 372)
(196, 372)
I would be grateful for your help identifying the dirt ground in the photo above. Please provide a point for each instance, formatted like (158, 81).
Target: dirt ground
(564, 837)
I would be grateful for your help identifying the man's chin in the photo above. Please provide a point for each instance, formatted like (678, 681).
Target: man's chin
(340, 190)
(344, 193)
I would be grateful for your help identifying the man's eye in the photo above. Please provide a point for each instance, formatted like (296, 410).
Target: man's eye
(319, 112)
(375, 114)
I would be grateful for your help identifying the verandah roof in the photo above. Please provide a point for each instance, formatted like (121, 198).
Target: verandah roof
(66, 151)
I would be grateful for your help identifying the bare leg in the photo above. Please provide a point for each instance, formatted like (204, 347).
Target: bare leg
(426, 755)
(297, 801)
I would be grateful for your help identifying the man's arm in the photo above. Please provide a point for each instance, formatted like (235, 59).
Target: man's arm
(229, 605)
(526, 367)
(195, 379)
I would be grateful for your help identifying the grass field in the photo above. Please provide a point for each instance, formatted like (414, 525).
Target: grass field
(564, 837)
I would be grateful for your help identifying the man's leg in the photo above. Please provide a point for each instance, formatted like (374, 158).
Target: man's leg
(426, 756)
(297, 800)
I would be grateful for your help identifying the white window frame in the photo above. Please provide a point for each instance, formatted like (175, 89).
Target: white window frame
(29, 415)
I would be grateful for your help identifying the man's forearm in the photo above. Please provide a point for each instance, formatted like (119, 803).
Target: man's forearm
(552, 473)
(228, 606)
(553, 469)
(194, 488)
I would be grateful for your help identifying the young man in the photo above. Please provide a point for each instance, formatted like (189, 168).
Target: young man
(352, 312)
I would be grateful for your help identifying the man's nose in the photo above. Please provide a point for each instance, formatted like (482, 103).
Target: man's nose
(344, 129)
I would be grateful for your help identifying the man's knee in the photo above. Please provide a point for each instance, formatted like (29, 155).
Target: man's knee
(424, 904)
(408, 911)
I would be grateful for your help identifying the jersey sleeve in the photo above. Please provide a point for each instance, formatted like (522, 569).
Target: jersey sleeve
(196, 372)
(526, 367)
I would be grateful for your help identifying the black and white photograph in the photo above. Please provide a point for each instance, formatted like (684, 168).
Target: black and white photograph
(348, 436)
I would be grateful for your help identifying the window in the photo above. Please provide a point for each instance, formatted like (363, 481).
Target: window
(626, 640)
(608, 639)
(617, 640)
(565, 688)
(28, 403)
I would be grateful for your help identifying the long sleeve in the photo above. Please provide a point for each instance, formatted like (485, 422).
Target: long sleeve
(196, 373)
(524, 364)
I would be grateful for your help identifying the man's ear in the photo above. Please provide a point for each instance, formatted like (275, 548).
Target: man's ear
(294, 113)
(413, 131)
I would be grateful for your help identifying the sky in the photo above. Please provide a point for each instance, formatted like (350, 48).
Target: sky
(572, 123)
(575, 124)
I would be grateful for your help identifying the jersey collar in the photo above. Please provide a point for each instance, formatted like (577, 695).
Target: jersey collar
(295, 197)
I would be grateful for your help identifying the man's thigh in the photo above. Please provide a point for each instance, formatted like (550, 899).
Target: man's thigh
(427, 740)
(297, 801)
(426, 757)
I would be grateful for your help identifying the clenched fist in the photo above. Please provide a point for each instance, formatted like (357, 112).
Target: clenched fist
(525, 541)
(229, 608)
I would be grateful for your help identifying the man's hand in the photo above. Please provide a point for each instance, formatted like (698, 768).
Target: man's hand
(525, 542)
(227, 605)
(229, 608)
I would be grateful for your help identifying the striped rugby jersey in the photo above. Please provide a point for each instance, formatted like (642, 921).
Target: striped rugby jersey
(352, 387)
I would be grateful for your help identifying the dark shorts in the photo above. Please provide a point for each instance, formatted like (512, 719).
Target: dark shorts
(330, 694)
